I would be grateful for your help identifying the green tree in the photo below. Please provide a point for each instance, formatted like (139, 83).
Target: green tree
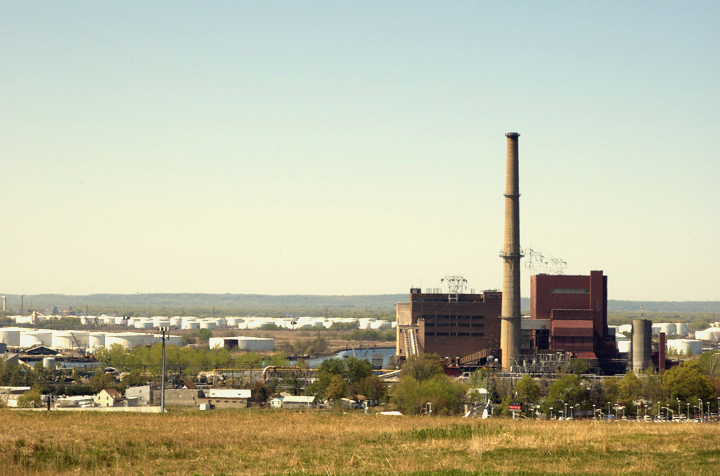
(687, 381)
(527, 390)
(351, 370)
(423, 366)
(336, 389)
(30, 399)
(205, 335)
(410, 395)
(630, 388)
(373, 388)
(565, 390)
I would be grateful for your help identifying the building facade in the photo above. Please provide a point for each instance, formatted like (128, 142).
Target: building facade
(576, 307)
(450, 325)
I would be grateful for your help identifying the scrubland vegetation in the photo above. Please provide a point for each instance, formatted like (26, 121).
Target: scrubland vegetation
(278, 442)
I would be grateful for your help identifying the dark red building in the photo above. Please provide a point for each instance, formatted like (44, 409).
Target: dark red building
(577, 309)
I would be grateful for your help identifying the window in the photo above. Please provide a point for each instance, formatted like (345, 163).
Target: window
(477, 334)
(442, 334)
(570, 291)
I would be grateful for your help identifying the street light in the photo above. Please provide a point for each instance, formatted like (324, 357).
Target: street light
(701, 410)
(565, 412)
(551, 413)
(594, 414)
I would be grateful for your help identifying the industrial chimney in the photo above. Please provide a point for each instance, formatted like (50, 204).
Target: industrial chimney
(511, 254)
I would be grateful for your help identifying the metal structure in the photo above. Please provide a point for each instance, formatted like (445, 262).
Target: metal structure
(456, 285)
(537, 263)
(511, 255)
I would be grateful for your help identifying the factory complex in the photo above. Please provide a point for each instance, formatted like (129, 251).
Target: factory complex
(567, 321)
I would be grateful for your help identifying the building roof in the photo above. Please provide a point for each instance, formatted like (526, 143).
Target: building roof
(299, 399)
(112, 393)
(189, 384)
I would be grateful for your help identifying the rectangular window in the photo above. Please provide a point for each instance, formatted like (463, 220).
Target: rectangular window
(429, 324)
(570, 291)
(442, 334)
(477, 334)
(463, 325)
(463, 334)
(443, 324)
(475, 318)
(430, 334)
(479, 324)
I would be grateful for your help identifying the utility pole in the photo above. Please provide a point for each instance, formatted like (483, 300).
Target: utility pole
(162, 385)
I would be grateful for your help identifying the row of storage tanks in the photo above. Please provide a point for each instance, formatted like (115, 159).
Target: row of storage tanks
(243, 322)
(178, 322)
(673, 346)
(90, 341)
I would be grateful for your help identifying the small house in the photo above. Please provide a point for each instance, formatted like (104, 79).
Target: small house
(108, 397)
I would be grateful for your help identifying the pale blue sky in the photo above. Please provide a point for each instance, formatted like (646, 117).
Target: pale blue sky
(356, 147)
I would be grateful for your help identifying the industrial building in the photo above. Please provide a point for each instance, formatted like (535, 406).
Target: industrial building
(452, 325)
(568, 315)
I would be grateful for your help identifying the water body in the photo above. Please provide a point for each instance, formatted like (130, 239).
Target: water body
(358, 353)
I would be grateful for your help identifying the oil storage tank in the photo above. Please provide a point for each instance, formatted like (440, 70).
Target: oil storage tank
(10, 336)
(34, 338)
(129, 340)
(70, 340)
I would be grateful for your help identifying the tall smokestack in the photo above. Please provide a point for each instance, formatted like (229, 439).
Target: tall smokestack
(511, 254)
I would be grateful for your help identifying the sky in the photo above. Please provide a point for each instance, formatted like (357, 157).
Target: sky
(342, 148)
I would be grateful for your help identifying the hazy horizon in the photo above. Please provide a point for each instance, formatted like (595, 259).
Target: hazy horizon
(346, 148)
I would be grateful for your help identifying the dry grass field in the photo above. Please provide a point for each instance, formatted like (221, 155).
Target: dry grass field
(259, 442)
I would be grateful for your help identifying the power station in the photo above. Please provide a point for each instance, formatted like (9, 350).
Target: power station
(568, 314)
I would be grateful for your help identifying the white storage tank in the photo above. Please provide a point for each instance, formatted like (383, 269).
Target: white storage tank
(96, 340)
(169, 340)
(668, 328)
(70, 339)
(34, 338)
(209, 324)
(381, 325)
(144, 325)
(624, 346)
(176, 321)
(120, 321)
(682, 329)
(190, 325)
(129, 340)
(10, 336)
(49, 363)
(684, 347)
(157, 323)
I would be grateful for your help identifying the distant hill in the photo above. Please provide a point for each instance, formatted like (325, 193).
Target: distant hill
(239, 302)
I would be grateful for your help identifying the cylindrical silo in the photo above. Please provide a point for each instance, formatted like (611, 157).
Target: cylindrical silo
(49, 363)
(641, 344)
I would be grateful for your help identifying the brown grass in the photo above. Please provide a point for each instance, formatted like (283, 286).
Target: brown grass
(255, 442)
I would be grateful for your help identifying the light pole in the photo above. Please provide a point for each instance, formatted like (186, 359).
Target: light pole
(162, 385)
(551, 413)
(701, 410)
(565, 412)
(594, 414)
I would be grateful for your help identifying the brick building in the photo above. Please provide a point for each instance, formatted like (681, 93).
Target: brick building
(450, 325)
(576, 307)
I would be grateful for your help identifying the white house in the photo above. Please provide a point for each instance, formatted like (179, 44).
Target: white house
(108, 397)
